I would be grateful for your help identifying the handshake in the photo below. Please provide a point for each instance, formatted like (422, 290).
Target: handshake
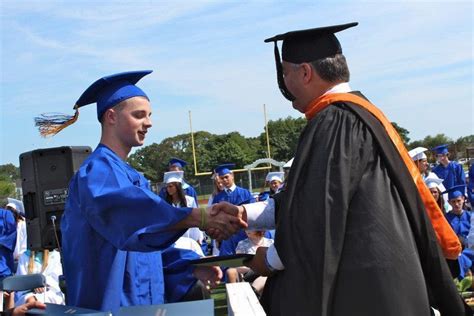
(222, 220)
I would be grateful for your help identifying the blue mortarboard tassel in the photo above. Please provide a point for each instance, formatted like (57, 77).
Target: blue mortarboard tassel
(106, 92)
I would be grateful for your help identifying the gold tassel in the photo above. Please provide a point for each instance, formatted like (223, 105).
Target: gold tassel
(49, 124)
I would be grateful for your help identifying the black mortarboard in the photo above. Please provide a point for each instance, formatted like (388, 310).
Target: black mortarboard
(306, 46)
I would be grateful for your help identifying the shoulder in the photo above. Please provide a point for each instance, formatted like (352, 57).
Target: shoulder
(189, 201)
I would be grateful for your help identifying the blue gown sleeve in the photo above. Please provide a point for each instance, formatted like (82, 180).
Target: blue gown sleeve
(192, 192)
(7, 230)
(128, 215)
(178, 272)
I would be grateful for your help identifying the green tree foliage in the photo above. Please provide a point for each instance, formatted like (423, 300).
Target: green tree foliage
(284, 135)
(402, 132)
(7, 189)
(10, 171)
(8, 174)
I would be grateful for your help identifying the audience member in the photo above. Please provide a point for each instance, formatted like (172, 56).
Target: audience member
(458, 218)
(274, 181)
(254, 240)
(436, 187)
(450, 171)
(176, 196)
(176, 164)
(234, 195)
(21, 237)
(47, 263)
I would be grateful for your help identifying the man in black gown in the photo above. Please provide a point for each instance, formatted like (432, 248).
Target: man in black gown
(352, 234)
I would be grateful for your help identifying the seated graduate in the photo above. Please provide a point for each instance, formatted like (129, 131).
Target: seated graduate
(274, 181)
(114, 227)
(47, 263)
(176, 164)
(217, 188)
(235, 195)
(249, 245)
(175, 195)
(8, 235)
(459, 218)
(450, 171)
(435, 185)
(18, 210)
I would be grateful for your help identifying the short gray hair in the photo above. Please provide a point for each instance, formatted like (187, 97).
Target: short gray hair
(332, 69)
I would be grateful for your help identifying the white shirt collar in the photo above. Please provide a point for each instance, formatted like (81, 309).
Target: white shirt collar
(339, 88)
(232, 188)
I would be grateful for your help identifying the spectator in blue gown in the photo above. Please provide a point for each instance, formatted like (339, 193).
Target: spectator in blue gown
(234, 195)
(459, 218)
(7, 242)
(176, 164)
(114, 226)
(450, 171)
(470, 184)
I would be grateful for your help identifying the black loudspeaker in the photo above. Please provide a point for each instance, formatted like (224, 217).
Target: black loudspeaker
(45, 177)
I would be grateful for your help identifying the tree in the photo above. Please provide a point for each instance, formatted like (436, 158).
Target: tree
(284, 135)
(402, 132)
(10, 171)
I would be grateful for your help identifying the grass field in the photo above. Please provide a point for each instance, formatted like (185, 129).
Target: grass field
(220, 300)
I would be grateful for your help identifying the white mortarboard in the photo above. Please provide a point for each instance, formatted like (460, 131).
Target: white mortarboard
(173, 176)
(432, 182)
(289, 163)
(277, 175)
(17, 205)
(417, 153)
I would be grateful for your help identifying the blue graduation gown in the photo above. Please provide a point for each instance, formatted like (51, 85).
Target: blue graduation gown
(263, 196)
(179, 278)
(452, 174)
(237, 197)
(460, 223)
(188, 190)
(465, 261)
(470, 185)
(112, 227)
(7, 242)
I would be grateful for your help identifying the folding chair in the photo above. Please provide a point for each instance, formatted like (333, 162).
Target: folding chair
(21, 283)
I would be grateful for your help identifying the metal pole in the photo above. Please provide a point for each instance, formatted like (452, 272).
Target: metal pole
(192, 143)
(266, 130)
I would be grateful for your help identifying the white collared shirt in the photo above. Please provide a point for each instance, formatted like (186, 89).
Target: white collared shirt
(339, 88)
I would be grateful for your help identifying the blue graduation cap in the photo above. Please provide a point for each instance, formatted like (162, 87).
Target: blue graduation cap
(224, 168)
(106, 92)
(441, 149)
(455, 191)
(177, 162)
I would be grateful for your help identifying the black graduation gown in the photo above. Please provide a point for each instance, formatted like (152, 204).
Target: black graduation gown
(352, 230)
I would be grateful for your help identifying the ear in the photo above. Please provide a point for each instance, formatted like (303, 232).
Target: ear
(308, 73)
(110, 116)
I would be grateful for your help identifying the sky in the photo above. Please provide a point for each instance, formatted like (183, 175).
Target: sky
(413, 59)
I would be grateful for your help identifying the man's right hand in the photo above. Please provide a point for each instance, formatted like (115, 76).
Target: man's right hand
(224, 220)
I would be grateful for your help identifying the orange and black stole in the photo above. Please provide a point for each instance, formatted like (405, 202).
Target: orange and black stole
(381, 128)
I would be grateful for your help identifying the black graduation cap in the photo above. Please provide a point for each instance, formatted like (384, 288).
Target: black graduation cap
(306, 46)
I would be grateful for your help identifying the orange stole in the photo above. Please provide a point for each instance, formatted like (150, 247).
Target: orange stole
(447, 239)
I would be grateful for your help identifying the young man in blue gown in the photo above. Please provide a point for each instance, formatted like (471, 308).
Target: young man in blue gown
(114, 226)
